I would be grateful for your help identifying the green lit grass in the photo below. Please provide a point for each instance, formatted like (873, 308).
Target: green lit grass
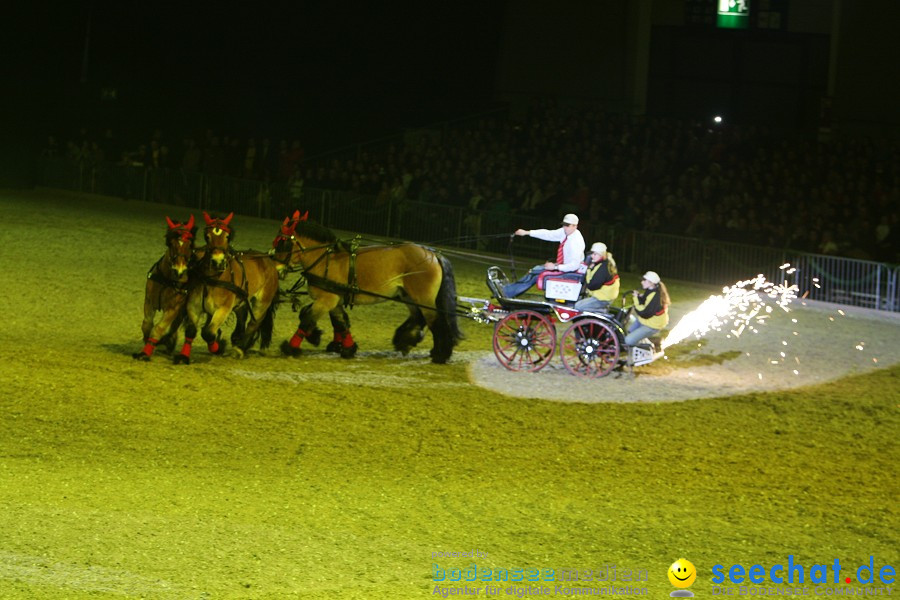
(322, 478)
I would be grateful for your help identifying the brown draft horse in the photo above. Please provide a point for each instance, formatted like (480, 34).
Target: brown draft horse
(226, 281)
(339, 275)
(167, 288)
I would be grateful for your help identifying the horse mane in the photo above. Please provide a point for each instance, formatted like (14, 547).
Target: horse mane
(315, 232)
(319, 233)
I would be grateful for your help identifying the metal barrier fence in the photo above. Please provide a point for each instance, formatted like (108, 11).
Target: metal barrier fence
(829, 278)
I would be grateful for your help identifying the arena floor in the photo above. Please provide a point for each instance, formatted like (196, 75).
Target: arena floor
(317, 477)
(811, 343)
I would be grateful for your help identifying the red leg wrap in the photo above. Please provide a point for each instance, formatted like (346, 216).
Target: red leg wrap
(186, 349)
(150, 346)
(213, 346)
(338, 337)
(347, 342)
(297, 338)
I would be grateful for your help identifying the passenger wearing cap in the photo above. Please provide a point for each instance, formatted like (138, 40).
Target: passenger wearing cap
(601, 281)
(569, 254)
(651, 308)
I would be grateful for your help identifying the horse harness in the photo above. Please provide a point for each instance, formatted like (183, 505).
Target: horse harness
(347, 291)
(213, 281)
(155, 275)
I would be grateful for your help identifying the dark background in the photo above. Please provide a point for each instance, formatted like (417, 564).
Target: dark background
(331, 73)
(328, 72)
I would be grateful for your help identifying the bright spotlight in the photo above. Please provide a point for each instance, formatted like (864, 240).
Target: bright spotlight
(717, 119)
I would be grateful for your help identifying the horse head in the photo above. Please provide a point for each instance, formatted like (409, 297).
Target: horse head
(283, 244)
(180, 245)
(218, 236)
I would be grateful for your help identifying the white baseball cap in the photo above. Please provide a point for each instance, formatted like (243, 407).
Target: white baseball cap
(652, 277)
(570, 219)
(599, 248)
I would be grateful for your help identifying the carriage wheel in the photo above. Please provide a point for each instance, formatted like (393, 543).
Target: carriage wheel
(590, 348)
(524, 341)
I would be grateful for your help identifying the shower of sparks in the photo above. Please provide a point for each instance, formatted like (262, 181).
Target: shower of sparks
(743, 307)
(739, 307)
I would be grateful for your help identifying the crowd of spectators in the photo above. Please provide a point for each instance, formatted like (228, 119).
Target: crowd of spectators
(229, 156)
(739, 184)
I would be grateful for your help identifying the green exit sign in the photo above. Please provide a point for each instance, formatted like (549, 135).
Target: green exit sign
(733, 14)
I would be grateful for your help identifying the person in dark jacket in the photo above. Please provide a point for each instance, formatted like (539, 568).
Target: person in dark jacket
(651, 308)
(601, 281)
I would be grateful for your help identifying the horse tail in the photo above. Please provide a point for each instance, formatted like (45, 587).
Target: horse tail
(447, 332)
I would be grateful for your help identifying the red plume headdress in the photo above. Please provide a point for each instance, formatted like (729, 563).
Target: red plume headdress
(216, 223)
(289, 226)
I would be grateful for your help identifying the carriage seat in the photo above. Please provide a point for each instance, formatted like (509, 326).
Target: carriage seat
(568, 285)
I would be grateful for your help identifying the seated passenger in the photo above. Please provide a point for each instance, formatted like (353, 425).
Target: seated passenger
(651, 308)
(601, 281)
(569, 254)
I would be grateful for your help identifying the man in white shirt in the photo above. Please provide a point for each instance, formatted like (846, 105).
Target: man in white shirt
(569, 254)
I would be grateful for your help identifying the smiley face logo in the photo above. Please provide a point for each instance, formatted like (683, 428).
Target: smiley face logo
(682, 573)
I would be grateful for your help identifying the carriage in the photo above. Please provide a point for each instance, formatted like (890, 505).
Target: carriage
(592, 344)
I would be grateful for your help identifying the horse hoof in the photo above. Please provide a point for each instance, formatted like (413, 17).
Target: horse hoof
(439, 359)
(236, 352)
(314, 337)
(289, 350)
(141, 356)
(181, 359)
(349, 352)
(333, 347)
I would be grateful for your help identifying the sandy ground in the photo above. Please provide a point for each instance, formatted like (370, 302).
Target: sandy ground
(820, 342)
(271, 477)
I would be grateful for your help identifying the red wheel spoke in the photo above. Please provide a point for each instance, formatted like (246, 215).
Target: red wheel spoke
(590, 348)
(524, 341)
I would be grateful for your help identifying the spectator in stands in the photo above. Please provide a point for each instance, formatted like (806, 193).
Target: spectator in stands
(248, 171)
(294, 156)
(51, 149)
(827, 244)
(569, 254)
(214, 158)
(192, 157)
(234, 159)
(266, 161)
(285, 167)
(155, 154)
